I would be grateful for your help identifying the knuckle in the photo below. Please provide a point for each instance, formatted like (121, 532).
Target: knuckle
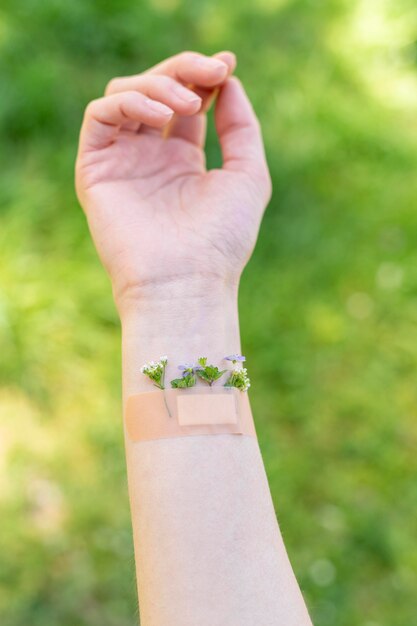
(91, 107)
(112, 86)
(188, 55)
(163, 80)
(130, 97)
(132, 94)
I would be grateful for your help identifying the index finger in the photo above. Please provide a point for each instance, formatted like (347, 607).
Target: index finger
(196, 68)
(189, 68)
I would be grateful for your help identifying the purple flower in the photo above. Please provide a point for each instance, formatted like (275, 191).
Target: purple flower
(187, 368)
(235, 358)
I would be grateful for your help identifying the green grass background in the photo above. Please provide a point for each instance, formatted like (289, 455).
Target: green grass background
(328, 302)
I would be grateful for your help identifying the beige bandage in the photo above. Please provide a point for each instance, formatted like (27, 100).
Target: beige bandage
(185, 412)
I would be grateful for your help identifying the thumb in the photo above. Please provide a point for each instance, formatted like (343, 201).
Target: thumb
(240, 133)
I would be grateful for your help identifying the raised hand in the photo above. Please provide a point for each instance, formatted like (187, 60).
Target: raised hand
(156, 214)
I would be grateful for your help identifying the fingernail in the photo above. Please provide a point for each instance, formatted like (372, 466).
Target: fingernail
(212, 64)
(186, 94)
(158, 107)
(189, 96)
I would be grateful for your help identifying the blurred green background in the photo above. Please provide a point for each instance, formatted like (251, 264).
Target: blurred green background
(328, 302)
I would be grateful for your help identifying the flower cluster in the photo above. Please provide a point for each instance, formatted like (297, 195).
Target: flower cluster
(239, 378)
(155, 370)
(208, 373)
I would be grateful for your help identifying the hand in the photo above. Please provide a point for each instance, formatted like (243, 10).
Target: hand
(156, 214)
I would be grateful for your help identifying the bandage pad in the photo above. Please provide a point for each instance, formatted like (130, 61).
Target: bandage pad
(186, 412)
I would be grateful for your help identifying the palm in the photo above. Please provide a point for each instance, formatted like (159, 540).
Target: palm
(165, 210)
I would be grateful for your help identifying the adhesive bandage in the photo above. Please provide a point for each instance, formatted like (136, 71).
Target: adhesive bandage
(186, 412)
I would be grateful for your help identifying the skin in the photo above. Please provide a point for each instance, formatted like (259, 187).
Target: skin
(174, 239)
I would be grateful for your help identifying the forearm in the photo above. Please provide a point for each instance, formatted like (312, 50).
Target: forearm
(208, 548)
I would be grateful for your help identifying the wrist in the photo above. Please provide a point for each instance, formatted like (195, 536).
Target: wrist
(156, 297)
(181, 319)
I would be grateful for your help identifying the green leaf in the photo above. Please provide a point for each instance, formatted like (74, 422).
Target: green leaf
(183, 383)
(203, 375)
(218, 373)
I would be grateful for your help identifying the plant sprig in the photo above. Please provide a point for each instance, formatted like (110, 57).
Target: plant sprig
(184, 382)
(208, 373)
(155, 370)
(239, 378)
(187, 379)
(239, 375)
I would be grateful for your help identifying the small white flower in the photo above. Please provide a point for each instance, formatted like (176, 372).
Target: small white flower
(239, 378)
(155, 371)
